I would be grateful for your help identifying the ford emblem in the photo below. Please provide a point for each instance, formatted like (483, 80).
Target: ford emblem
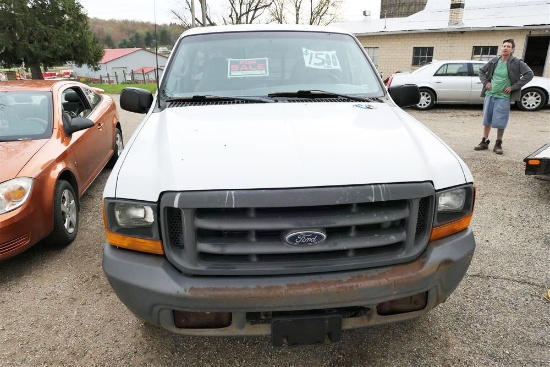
(305, 238)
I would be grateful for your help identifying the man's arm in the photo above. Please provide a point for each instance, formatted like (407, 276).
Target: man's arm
(526, 74)
(483, 74)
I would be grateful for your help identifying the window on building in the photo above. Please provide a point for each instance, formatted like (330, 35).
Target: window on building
(484, 53)
(422, 55)
(373, 54)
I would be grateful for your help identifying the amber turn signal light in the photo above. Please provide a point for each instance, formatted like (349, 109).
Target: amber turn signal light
(451, 227)
(135, 243)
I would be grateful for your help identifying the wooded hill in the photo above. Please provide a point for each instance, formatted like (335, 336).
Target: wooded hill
(128, 33)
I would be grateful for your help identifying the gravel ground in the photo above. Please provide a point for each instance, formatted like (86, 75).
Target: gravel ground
(57, 308)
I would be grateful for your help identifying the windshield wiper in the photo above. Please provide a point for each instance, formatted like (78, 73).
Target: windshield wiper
(211, 98)
(314, 93)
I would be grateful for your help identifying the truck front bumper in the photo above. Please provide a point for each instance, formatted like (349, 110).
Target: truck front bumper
(153, 289)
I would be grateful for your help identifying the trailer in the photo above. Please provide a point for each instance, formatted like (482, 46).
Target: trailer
(538, 162)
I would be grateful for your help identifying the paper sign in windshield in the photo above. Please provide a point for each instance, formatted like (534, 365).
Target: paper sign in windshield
(320, 59)
(248, 67)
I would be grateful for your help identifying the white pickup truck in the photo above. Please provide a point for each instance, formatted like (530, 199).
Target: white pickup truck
(275, 187)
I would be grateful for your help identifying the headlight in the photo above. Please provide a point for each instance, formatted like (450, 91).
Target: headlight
(14, 193)
(134, 215)
(132, 225)
(452, 200)
(454, 212)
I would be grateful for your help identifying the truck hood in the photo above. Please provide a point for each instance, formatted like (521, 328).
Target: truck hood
(276, 145)
(14, 155)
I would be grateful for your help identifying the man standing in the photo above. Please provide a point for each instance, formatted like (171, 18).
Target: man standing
(502, 78)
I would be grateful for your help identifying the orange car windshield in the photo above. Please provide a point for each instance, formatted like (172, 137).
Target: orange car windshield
(25, 115)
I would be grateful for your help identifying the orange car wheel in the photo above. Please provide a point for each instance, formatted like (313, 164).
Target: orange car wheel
(119, 146)
(65, 212)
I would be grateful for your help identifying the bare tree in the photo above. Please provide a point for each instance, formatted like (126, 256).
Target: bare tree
(314, 12)
(324, 12)
(246, 11)
(297, 5)
(277, 12)
(186, 15)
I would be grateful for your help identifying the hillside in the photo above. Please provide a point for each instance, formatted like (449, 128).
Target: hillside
(128, 33)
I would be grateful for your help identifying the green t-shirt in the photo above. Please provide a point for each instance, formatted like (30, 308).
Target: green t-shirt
(500, 81)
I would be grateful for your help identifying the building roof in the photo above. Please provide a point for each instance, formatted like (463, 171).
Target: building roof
(115, 53)
(478, 15)
(146, 69)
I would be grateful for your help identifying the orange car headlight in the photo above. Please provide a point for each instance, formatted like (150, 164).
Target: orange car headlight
(14, 193)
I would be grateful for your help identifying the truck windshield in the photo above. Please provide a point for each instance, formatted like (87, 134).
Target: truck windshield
(265, 62)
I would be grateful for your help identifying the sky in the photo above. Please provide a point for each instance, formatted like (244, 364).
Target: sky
(145, 10)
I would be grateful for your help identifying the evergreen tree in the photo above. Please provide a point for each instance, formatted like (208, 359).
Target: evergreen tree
(135, 40)
(164, 37)
(46, 33)
(148, 39)
(108, 41)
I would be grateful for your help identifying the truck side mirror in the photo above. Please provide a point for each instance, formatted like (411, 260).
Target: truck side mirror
(136, 100)
(405, 95)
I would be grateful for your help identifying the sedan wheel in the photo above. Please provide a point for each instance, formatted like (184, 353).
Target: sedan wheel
(65, 212)
(532, 99)
(427, 99)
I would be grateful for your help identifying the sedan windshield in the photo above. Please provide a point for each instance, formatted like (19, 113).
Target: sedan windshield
(25, 115)
(264, 63)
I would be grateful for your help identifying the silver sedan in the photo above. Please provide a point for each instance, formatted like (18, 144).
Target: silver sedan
(457, 82)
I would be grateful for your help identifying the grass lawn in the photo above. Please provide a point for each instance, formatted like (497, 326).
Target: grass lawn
(117, 88)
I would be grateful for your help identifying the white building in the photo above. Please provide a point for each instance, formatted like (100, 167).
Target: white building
(118, 63)
(458, 29)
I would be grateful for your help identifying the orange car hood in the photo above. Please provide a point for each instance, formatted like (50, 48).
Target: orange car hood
(15, 154)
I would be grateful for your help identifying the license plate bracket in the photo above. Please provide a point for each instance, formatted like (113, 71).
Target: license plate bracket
(306, 330)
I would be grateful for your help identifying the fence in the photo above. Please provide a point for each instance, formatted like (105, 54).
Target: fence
(123, 78)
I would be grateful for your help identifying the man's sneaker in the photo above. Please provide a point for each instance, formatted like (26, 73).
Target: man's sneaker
(483, 145)
(498, 147)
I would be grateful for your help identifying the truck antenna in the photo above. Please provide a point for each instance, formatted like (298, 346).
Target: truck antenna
(156, 52)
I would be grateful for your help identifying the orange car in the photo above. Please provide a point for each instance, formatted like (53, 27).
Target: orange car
(55, 138)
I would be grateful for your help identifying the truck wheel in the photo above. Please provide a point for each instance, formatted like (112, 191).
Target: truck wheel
(427, 99)
(118, 147)
(65, 214)
(532, 99)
